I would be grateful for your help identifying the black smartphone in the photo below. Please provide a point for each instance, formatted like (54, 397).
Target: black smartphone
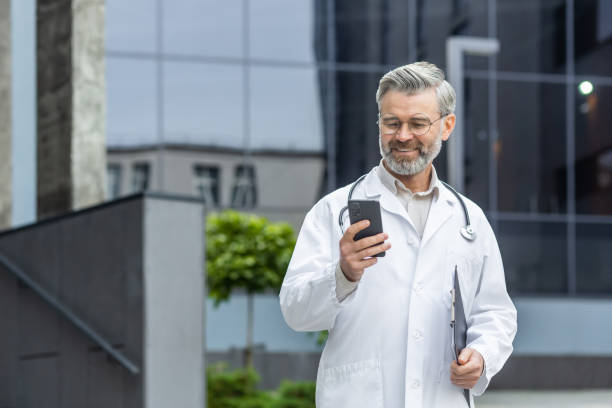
(366, 210)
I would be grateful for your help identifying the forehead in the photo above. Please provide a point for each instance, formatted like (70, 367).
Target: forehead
(402, 105)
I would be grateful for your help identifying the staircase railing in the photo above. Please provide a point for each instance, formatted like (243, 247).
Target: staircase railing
(65, 311)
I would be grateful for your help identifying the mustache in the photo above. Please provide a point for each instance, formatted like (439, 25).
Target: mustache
(415, 144)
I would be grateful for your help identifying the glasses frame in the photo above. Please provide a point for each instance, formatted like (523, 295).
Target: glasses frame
(409, 128)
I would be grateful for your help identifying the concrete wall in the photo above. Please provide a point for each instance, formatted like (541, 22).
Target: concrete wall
(71, 105)
(116, 270)
(173, 304)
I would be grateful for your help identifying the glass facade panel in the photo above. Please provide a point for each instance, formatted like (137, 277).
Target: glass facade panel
(594, 258)
(203, 28)
(282, 30)
(532, 36)
(593, 32)
(476, 145)
(132, 101)
(593, 164)
(357, 148)
(285, 109)
(439, 19)
(531, 147)
(131, 26)
(203, 104)
(530, 251)
(374, 32)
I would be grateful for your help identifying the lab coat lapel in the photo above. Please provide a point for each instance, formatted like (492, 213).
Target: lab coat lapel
(374, 189)
(440, 211)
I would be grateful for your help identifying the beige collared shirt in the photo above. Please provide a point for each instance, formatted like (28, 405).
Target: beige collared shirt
(417, 206)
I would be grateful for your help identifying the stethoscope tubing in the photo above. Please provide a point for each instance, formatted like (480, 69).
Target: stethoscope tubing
(467, 231)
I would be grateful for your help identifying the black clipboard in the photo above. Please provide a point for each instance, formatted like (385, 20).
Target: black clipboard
(458, 325)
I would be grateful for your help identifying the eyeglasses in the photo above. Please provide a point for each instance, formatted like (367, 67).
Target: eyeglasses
(417, 125)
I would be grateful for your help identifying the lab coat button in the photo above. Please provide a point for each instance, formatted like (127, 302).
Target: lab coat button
(418, 287)
(417, 334)
(416, 384)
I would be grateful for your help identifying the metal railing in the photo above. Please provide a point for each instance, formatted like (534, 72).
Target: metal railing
(65, 311)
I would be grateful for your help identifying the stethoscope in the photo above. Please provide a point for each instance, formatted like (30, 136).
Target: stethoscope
(467, 231)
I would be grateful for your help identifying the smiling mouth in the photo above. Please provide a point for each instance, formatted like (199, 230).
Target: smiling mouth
(405, 150)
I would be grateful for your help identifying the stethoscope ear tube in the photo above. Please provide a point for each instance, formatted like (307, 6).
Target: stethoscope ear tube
(350, 195)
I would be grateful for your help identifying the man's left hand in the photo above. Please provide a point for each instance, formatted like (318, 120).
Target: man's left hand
(468, 371)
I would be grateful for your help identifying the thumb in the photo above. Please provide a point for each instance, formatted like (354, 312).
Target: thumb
(465, 355)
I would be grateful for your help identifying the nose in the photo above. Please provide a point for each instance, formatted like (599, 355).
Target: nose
(404, 133)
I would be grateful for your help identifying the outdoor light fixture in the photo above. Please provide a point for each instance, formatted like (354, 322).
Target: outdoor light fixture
(585, 87)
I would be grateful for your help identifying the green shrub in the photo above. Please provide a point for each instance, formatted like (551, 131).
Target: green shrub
(296, 394)
(262, 400)
(237, 389)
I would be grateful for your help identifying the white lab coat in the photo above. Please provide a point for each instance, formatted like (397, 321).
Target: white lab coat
(389, 341)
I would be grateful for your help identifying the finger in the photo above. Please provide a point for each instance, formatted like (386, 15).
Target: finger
(369, 241)
(361, 265)
(373, 250)
(465, 355)
(471, 367)
(454, 367)
(369, 262)
(465, 385)
(355, 228)
(463, 380)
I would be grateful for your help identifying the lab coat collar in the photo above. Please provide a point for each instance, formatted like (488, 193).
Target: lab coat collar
(375, 189)
(440, 211)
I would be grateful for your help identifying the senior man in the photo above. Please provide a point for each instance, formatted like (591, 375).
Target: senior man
(390, 339)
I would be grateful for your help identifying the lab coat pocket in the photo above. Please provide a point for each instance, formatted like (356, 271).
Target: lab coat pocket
(352, 385)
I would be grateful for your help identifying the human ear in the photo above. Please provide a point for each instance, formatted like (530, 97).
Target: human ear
(448, 126)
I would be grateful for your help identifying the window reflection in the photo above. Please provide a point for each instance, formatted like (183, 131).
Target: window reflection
(531, 256)
(531, 153)
(140, 177)
(594, 151)
(594, 258)
(206, 182)
(244, 192)
(113, 176)
(593, 31)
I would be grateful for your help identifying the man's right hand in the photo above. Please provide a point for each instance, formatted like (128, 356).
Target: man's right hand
(352, 253)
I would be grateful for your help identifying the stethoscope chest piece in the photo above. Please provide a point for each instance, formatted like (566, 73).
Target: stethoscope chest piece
(468, 233)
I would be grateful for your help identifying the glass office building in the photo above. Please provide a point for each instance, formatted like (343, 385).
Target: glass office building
(302, 75)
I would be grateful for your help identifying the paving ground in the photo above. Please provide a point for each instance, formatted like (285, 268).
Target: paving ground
(545, 399)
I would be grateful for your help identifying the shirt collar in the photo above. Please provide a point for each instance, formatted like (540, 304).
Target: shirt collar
(393, 184)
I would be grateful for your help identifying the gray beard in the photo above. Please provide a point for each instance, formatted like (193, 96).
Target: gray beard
(415, 166)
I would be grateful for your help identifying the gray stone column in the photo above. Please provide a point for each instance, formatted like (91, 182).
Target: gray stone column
(71, 104)
(6, 197)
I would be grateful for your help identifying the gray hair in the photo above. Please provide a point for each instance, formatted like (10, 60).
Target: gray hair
(415, 78)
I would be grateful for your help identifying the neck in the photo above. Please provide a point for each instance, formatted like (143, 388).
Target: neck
(417, 182)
